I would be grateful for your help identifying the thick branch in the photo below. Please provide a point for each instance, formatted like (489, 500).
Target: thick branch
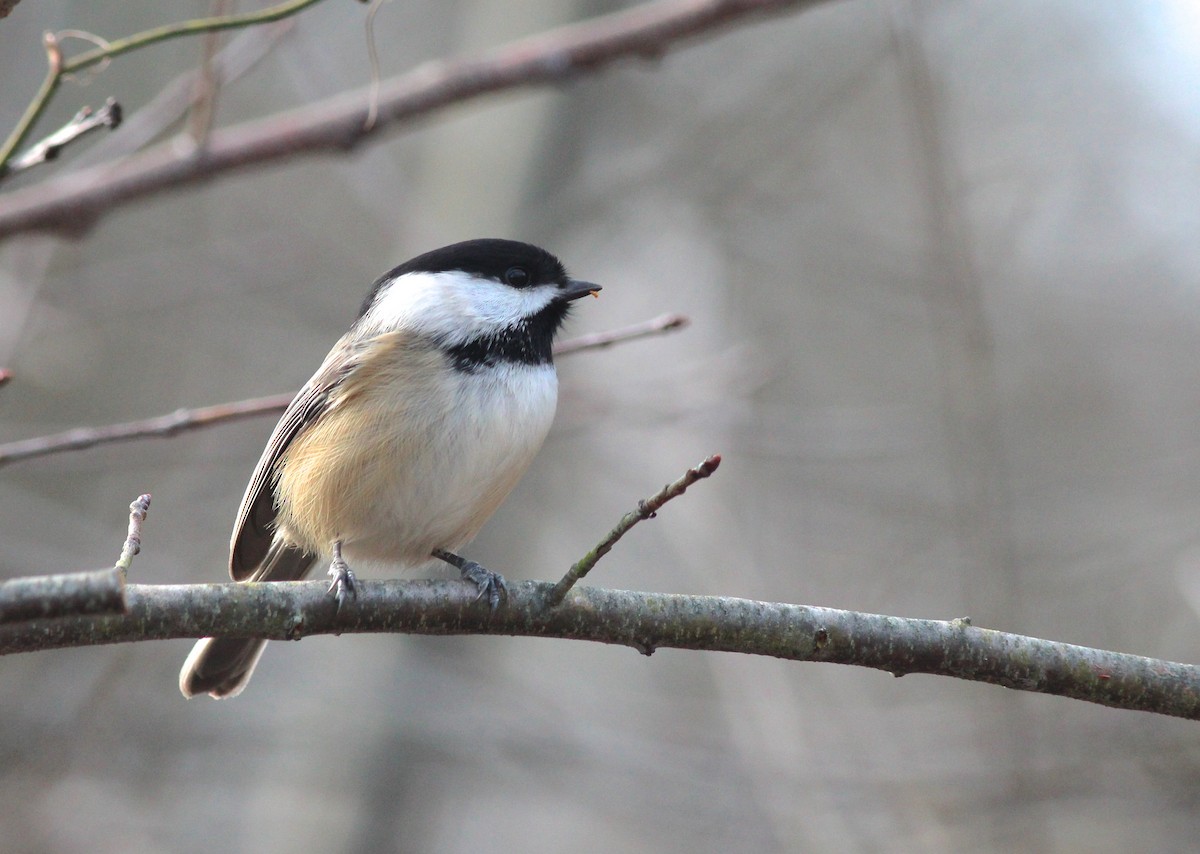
(643, 621)
(74, 201)
(73, 593)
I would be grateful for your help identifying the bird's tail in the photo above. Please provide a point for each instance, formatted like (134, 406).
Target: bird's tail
(221, 667)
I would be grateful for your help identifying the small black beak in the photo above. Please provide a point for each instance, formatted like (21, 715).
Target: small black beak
(574, 289)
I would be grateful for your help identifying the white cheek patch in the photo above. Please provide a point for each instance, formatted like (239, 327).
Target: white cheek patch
(454, 306)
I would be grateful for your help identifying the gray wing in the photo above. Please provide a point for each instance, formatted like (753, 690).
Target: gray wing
(254, 530)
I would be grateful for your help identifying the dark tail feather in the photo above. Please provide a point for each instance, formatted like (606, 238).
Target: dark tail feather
(221, 667)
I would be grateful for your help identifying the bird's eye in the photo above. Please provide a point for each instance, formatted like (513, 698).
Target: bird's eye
(518, 277)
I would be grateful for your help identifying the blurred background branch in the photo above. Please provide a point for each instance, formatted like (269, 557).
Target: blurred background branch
(74, 201)
(60, 67)
(182, 420)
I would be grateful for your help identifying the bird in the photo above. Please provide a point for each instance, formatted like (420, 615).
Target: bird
(414, 429)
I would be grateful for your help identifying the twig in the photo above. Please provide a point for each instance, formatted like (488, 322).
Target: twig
(76, 200)
(81, 124)
(54, 72)
(204, 95)
(60, 67)
(186, 28)
(642, 621)
(598, 340)
(181, 420)
(77, 593)
(133, 541)
(646, 509)
(373, 62)
(160, 427)
(173, 100)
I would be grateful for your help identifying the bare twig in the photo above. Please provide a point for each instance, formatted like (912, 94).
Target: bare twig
(61, 67)
(337, 124)
(204, 95)
(373, 61)
(186, 28)
(599, 340)
(173, 100)
(181, 420)
(646, 509)
(77, 593)
(133, 541)
(160, 427)
(84, 122)
(642, 621)
(54, 71)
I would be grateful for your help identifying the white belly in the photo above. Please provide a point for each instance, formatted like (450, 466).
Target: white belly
(470, 437)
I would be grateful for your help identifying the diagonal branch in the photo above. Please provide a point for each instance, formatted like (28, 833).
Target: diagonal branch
(646, 509)
(643, 621)
(621, 335)
(74, 201)
(159, 427)
(183, 420)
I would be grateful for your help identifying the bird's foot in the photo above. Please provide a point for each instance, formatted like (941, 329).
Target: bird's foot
(491, 584)
(488, 583)
(344, 584)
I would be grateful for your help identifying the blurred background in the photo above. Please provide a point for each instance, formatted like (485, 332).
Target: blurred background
(942, 264)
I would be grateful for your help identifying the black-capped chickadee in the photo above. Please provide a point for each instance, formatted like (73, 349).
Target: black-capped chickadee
(417, 425)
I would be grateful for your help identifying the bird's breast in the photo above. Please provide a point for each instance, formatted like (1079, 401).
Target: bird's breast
(415, 459)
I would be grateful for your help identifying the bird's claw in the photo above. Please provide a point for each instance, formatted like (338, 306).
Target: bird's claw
(490, 584)
(344, 584)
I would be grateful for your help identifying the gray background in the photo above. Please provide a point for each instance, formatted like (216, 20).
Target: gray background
(941, 259)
